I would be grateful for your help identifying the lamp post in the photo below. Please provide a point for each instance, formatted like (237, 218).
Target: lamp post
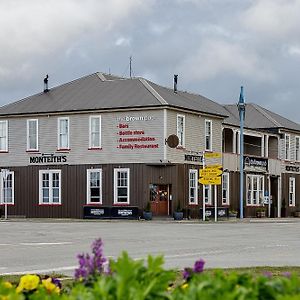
(241, 107)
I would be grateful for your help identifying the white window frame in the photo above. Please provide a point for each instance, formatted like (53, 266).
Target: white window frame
(287, 146)
(297, 148)
(225, 189)
(37, 135)
(5, 149)
(2, 200)
(208, 201)
(91, 146)
(208, 135)
(179, 131)
(251, 200)
(292, 191)
(193, 184)
(116, 171)
(59, 133)
(50, 172)
(88, 186)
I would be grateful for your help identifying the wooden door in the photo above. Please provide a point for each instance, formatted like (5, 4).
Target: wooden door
(159, 197)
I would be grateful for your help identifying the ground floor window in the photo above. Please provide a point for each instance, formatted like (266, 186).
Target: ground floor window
(94, 186)
(207, 194)
(50, 187)
(193, 187)
(291, 191)
(7, 188)
(225, 189)
(255, 189)
(121, 186)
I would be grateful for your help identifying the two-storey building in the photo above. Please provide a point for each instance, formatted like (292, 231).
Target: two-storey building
(106, 141)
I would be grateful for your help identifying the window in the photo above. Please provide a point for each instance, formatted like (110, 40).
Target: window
(32, 134)
(95, 132)
(225, 189)
(63, 133)
(287, 146)
(193, 187)
(207, 194)
(121, 186)
(297, 148)
(7, 188)
(3, 136)
(255, 190)
(291, 191)
(208, 135)
(94, 186)
(181, 129)
(50, 187)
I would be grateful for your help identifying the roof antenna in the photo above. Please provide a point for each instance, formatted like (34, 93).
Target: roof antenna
(46, 84)
(130, 66)
(175, 83)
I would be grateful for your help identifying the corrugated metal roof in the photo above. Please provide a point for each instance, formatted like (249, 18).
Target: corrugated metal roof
(102, 91)
(257, 117)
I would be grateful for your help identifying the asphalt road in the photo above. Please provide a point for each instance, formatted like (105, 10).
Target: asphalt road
(29, 246)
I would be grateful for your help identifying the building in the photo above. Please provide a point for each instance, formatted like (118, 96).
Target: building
(103, 141)
(271, 161)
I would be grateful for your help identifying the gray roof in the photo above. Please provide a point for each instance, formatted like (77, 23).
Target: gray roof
(102, 91)
(257, 117)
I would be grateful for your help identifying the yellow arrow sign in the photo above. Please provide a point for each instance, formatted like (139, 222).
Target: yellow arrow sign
(213, 167)
(211, 180)
(212, 155)
(210, 172)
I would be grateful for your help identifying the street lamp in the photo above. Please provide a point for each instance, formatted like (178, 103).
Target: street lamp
(241, 107)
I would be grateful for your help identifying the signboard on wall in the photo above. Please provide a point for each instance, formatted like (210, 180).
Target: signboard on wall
(48, 158)
(255, 164)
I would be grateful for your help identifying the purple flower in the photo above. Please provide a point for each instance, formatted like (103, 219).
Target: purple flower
(186, 274)
(286, 274)
(57, 282)
(268, 274)
(199, 266)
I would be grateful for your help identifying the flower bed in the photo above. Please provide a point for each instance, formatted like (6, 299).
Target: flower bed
(126, 279)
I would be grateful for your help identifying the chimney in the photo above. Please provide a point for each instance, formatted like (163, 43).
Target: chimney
(175, 83)
(46, 84)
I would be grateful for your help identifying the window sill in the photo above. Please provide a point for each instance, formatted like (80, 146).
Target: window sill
(93, 204)
(33, 151)
(8, 204)
(99, 148)
(121, 204)
(3, 151)
(50, 204)
(63, 150)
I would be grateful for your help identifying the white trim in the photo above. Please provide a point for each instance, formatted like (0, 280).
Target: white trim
(195, 187)
(165, 134)
(181, 143)
(293, 192)
(209, 200)
(2, 200)
(88, 186)
(50, 172)
(90, 131)
(210, 135)
(6, 137)
(127, 170)
(37, 134)
(58, 133)
(227, 202)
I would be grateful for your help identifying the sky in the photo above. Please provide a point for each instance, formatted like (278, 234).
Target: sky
(214, 46)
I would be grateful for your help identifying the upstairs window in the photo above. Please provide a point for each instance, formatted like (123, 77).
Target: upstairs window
(121, 186)
(208, 135)
(32, 134)
(63, 133)
(7, 188)
(297, 148)
(95, 132)
(3, 136)
(181, 130)
(287, 154)
(193, 186)
(94, 186)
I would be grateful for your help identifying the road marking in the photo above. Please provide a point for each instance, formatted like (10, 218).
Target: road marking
(45, 244)
(41, 271)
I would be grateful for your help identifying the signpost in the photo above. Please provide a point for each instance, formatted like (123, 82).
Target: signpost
(211, 175)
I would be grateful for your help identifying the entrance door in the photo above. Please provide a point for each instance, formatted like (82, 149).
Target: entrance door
(159, 197)
(274, 196)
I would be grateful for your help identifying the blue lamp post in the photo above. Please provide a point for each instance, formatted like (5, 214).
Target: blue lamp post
(241, 108)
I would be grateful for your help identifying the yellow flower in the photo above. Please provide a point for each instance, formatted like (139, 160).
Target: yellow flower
(28, 283)
(7, 284)
(184, 286)
(3, 297)
(50, 286)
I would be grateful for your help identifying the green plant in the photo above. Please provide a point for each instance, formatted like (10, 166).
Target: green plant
(178, 207)
(148, 207)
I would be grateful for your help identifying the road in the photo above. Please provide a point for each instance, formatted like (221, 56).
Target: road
(35, 246)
